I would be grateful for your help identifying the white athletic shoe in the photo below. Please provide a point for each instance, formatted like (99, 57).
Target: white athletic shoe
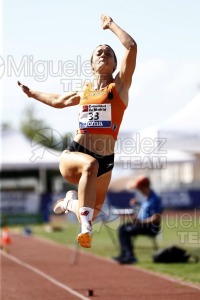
(60, 206)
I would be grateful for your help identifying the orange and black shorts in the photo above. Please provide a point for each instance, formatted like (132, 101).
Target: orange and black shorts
(106, 163)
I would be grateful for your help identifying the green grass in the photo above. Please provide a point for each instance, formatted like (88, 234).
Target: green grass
(180, 231)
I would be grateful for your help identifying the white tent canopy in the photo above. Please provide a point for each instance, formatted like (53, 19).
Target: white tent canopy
(186, 121)
(181, 131)
(19, 153)
(146, 150)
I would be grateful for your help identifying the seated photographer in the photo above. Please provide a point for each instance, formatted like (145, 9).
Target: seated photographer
(146, 222)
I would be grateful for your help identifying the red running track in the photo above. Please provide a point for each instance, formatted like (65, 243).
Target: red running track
(37, 269)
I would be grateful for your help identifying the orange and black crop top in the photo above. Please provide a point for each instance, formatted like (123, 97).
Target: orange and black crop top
(101, 111)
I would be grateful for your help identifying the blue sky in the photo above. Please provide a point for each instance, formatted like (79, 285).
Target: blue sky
(40, 34)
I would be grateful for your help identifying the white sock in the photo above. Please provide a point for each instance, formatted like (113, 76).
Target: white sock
(86, 214)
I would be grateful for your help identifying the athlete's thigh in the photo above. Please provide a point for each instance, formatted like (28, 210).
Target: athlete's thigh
(101, 191)
(72, 164)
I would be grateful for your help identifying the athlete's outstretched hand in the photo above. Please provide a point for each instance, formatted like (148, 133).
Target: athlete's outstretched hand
(105, 21)
(25, 89)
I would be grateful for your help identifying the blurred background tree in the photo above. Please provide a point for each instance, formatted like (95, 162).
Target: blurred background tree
(39, 131)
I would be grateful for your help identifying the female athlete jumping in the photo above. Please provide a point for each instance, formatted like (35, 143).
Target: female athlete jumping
(89, 160)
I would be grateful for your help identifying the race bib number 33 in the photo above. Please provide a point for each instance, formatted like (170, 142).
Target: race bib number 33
(95, 116)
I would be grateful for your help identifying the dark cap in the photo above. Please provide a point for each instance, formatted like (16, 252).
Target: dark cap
(141, 182)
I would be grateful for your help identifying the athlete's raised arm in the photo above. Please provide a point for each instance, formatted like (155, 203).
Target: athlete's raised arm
(124, 77)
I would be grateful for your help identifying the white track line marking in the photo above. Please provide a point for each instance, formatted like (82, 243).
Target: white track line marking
(37, 271)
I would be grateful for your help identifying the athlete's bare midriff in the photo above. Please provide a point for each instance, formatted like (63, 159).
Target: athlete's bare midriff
(102, 144)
